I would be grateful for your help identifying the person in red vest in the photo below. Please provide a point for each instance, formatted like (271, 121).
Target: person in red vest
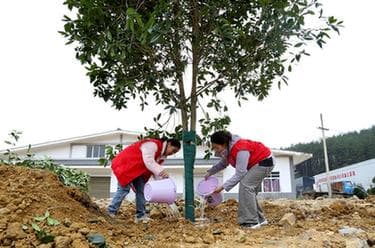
(133, 167)
(252, 162)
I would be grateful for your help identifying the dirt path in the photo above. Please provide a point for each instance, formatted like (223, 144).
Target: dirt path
(26, 193)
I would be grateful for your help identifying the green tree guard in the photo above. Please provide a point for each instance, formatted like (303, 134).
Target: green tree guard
(189, 147)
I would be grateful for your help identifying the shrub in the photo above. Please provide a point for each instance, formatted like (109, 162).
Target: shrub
(360, 192)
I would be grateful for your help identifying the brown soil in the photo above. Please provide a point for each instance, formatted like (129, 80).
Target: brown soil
(27, 193)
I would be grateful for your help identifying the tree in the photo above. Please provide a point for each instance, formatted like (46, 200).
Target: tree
(142, 49)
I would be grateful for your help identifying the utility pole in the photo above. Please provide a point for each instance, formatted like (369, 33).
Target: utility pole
(325, 155)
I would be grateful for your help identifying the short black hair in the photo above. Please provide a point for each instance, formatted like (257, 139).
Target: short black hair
(174, 142)
(221, 137)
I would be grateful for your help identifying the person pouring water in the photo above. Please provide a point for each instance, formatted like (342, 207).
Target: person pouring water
(133, 167)
(252, 162)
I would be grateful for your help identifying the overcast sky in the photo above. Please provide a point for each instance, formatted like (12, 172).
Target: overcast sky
(45, 94)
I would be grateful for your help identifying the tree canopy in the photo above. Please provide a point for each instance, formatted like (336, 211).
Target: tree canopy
(144, 50)
(183, 54)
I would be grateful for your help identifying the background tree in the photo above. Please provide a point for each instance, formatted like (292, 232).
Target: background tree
(182, 54)
(343, 150)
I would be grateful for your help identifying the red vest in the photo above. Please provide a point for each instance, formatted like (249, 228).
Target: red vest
(128, 164)
(257, 151)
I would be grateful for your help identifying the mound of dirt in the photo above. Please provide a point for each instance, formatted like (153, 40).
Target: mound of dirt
(29, 193)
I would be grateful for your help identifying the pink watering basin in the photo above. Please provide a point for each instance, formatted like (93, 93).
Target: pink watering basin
(205, 189)
(160, 191)
(214, 199)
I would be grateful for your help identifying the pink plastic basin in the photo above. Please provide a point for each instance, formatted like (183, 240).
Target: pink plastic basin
(160, 191)
(214, 199)
(206, 188)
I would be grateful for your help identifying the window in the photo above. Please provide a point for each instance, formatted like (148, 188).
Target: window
(271, 183)
(95, 151)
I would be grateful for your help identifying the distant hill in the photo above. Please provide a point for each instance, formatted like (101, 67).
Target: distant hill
(343, 150)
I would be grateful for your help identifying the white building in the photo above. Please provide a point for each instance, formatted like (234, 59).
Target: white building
(83, 152)
(360, 173)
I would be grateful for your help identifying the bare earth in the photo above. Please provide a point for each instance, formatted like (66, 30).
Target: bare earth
(27, 193)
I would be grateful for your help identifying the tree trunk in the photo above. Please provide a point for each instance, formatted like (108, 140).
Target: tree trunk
(189, 136)
(189, 159)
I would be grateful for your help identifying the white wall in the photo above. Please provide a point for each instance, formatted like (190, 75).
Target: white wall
(283, 166)
(79, 151)
(360, 173)
(55, 152)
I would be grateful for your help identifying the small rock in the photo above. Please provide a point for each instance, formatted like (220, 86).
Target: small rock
(4, 211)
(14, 231)
(77, 226)
(84, 230)
(217, 232)
(155, 213)
(371, 211)
(149, 237)
(79, 244)
(77, 236)
(208, 239)
(93, 220)
(289, 219)
(348, 231)
(45, 245)
(190, 239)
(62, 241)
(356, 243)
(66, 222)
(241, 239)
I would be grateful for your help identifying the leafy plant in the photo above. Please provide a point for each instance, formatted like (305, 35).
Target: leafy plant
(68, 176)
(41, 234)
(360, 192)
(48, 219)
(12, 157)
(371, 190)
(110, 153)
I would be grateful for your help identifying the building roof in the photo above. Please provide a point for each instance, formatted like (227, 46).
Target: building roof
(298, 157)
(74, 139)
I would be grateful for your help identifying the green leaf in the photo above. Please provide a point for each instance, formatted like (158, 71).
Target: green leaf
(52, 222)
(45, 237)
(155, 38)
(40, 218)
(131, 25)
(332, 19)
(109, 35)
(36, 227)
